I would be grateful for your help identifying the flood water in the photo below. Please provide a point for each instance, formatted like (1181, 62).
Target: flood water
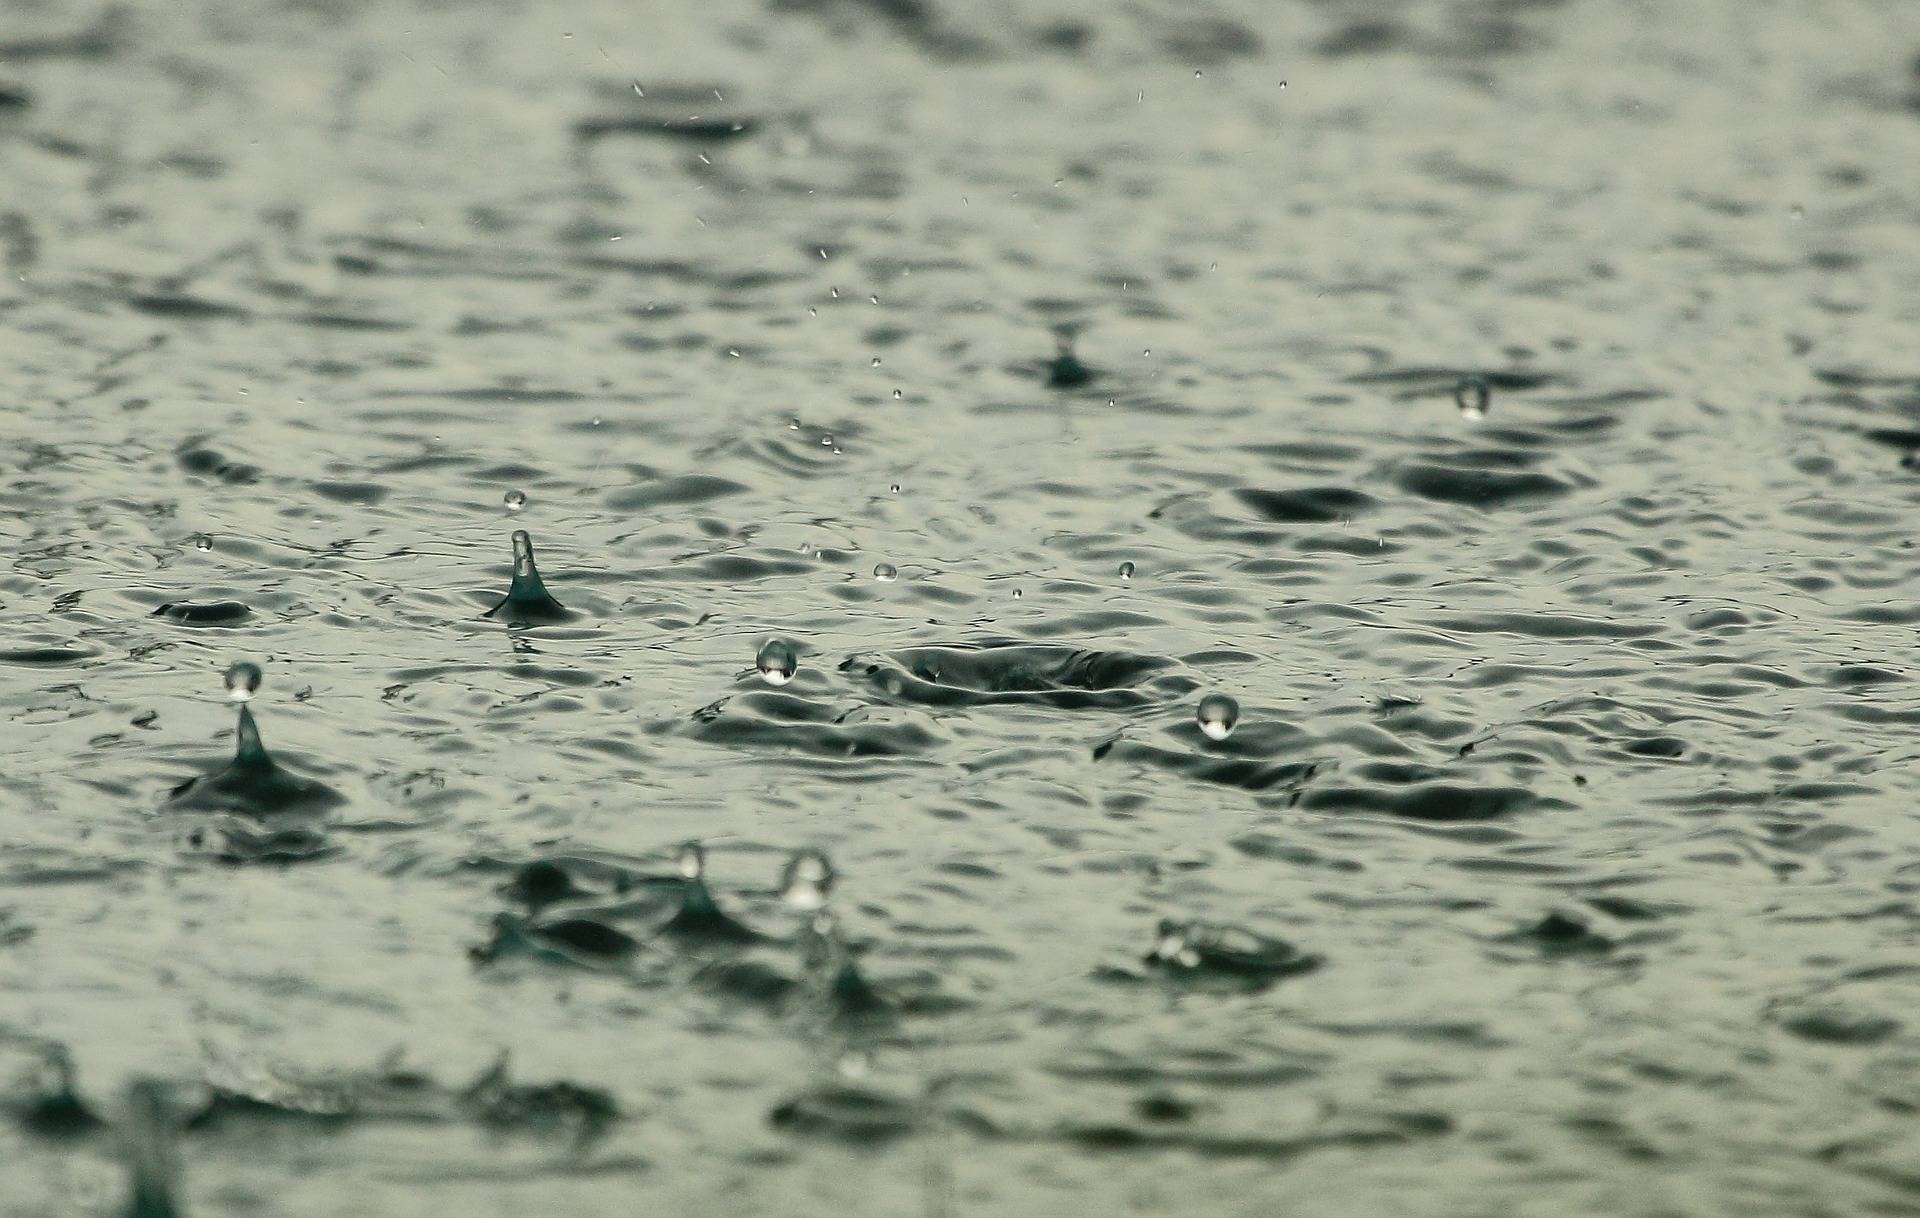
(1509, 406)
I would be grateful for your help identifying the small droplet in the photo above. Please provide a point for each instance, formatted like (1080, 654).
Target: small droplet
(836, 292)
(1126, 570)
(243, 681)
(826, 441)
(894, 489)
(515, 500)
(896, 395)
(1471, 395)
(885, 573)
(777, 662)
(873, 300)
(1016, 594)
(876, 361)
(1196, 73)
(202, 542)
(692, 861)
(1217, 715)
(793, 424)
(807, 881)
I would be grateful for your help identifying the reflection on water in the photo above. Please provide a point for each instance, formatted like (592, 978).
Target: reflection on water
(1164, 608)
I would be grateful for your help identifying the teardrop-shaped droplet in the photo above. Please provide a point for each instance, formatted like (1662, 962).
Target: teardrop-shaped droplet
(692, 861)
(1126, 570)
(243, 681)
(778, 661)
(807, 881)
(1472, 395)
(1217, 715)
(527, 598)
(515, 500)
(885, 572)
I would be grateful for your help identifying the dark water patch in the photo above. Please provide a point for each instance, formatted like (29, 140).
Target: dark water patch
(587, 942)
(360, 494)
(204, 613)
(205, 462)
(768, 720)
(1483, 488)
(45, 656)
(1543, 626)
(674, 492)
(1440, 802)
(1316, 505)
(858, 1116)
(691, 127)
(1012, 673)
(1562, 934)
(186, 308)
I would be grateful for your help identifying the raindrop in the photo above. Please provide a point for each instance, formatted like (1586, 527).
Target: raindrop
(777, 662)
(202, 542)
(876, 361)
(896, 395)
(243, 681)
(692, 861)
(885, 573)
(1016, 594)
(807, 881)
(1217, 715)
(826, 441)
(1471, 395)
(895, 488)
(873, 300)
(515, 500)
(1126, 570)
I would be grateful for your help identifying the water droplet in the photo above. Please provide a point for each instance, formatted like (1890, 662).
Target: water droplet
(1471, 395)
(793, 424)
(1196, 73)
(777, 662)
(692, 861)
(836, 292)
(1217, 715)
(1126, 570)
(1016, 594)
(895, 488)
(202, 542)
(826, 441)
(807, 881)
(876, 361)
(515, 500)
(885, 573)
(896, 395)
(243, 681)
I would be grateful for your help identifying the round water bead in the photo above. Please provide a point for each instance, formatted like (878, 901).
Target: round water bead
(692, 861)
(243, 681)
(1217, 715)
(777, 662)
(515, 500)
(1126, 570)
(886, 573)
(807, 881)
(202, 542)
(1472, 395)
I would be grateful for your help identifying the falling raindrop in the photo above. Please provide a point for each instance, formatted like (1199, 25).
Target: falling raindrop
(692, 861)
(1471, 395)
(1126, 570)
(807, 881)
(896, 395)
(243, 681)
(895, 488)
(515, 500)
(202, 542)
(777, 662)
(885, 573)
(1217, 716)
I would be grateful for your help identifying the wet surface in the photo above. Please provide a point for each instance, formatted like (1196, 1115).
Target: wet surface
(1511, 408)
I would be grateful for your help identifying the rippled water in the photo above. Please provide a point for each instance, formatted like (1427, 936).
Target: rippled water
(1562, 856)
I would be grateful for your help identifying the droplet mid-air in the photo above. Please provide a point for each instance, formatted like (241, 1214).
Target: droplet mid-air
(202, 542)
(1217, 716)
(1126, 570)
(885, 572)
(243, 681)
(527, 599)
(807, 881)
(1472, 395)
(515, 500)
(777, 662)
